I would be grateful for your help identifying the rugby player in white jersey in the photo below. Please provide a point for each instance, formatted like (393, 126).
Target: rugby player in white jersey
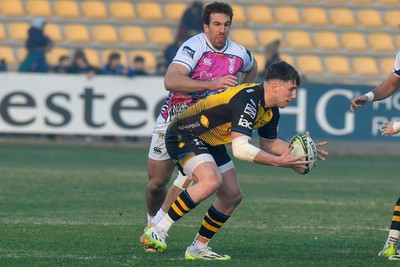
(205, 64)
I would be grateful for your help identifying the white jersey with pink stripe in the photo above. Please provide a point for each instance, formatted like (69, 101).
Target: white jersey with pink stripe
(205, 63)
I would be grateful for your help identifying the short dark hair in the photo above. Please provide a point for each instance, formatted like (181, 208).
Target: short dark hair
(62, 58)
(79, 53)
(138, 59)
(216, 7)
(114, 55)
(282, 71)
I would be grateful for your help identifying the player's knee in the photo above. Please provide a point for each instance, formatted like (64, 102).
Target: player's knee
(212, 184)
(157, 184)
(232, 199)
(237, 199)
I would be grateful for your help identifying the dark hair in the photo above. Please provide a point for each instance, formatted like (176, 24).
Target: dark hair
(113, 56)
(138, 59)
(62, 58)
(79, 53)
(216, 7)
(282, 71)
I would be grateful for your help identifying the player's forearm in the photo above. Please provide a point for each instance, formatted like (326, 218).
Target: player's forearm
(184, 84)
(279, 147)
(266, 158)
(245, 151)
(387, 88)
(274, 146)
(384, 90)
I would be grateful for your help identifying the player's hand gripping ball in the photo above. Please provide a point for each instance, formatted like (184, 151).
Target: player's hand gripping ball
(304, 144)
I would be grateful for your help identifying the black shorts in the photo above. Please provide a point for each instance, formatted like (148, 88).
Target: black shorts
(182, 148)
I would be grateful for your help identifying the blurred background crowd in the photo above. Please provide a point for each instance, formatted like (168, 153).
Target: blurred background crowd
(42, 54)
(326, 40)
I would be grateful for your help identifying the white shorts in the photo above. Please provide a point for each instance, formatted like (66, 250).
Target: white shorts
(199, 159)
(157, 150)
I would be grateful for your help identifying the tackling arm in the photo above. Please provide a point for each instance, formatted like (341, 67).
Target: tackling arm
(387, 88)
(177, 79)
(382, 91)
(250, 76)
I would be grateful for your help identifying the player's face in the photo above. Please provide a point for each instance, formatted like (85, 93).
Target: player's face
(218, 30)
(286, 92)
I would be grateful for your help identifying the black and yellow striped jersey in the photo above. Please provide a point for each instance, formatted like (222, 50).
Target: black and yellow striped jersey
(238, 109)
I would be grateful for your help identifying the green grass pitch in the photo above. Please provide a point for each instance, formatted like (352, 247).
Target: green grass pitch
(84, 206)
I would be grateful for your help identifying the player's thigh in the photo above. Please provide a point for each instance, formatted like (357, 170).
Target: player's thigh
(207, 163)
(230, 185)
(189, 153)
(157, 149)
(205, 170)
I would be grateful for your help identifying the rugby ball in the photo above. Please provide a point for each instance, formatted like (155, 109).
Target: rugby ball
(304, 144)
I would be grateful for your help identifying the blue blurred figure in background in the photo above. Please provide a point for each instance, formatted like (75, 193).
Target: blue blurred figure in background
(114, 65)
(37, 44)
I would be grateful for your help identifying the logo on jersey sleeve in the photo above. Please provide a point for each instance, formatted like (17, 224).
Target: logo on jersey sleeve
(245, 123)
(187, 51)
(250, 110)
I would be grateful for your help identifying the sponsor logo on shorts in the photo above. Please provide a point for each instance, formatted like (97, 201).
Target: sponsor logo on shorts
(157, 150)
(189, 126)
(198, 142)
(250, 90)
(186, 50)
(161, 135)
